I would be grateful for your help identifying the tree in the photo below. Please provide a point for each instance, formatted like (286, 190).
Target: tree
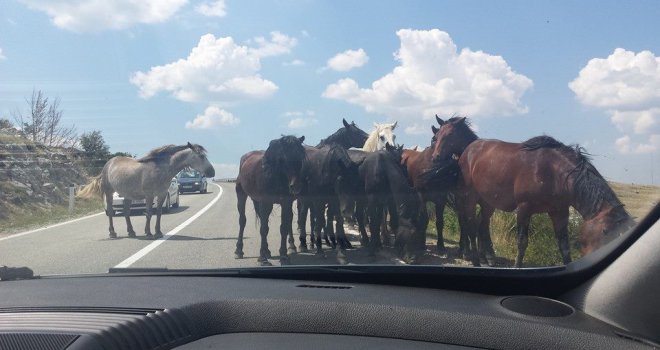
(43, 122)
(95, 150)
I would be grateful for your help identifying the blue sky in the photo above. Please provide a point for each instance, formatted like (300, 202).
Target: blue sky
(584, 72)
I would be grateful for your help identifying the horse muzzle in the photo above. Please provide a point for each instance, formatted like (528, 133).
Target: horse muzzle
(295, 186)
(209, 172)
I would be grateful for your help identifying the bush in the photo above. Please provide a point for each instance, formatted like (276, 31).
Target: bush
(542, 249)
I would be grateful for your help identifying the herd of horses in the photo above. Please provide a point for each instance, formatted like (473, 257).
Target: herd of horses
(369, 178)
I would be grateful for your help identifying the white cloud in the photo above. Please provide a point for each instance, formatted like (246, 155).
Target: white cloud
(98, 15)
(626, 146)
(225, 170)
(348, 60)
(418, 129)
(295, 62)
(213, 117)
(627, 86)
(216, 70)
(433, 77)
(2, 57)
(301, 119)
(301, 123)
(212, 8)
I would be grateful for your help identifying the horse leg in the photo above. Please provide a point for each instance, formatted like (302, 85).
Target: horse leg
(485, 243)
(242, 198)
(257, 210)
(468, 222)
(560, 222)
(159, 211)
(375, 213)
(423, 224)
(265, 208)
(303, 208)
(359, 217)
(523, 218)
(127, 216)
(440, 223)
(394, 222)
(329, 235)
(334, 209)
(285, 222)
(318, 221)
(149, 204)
(109, 213)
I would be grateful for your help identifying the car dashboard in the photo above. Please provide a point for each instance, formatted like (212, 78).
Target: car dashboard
(194, 312)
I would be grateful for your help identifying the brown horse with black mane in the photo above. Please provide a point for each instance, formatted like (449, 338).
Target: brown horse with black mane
(540, 175)
(429, 189)
(269, 177)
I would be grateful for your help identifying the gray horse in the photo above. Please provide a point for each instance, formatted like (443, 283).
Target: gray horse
(145, 178)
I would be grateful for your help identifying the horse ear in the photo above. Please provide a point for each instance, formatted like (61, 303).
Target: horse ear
(434, 129)
(394, 125)
(190, 145)
(302, 139)
(462, 119)
(388, 146)
(439, 120)
(345, 122)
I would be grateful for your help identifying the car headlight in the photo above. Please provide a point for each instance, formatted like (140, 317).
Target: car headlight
(115, 195)
(196, 183)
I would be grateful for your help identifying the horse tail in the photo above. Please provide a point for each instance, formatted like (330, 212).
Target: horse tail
(91, 189)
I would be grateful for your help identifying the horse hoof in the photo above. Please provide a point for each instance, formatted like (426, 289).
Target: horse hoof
(303, 248)
(148, 234)
(284, 260)
(158, 235)
(291, 250)
(131, 234)
(238, 255)
(265, 263)
(112, 235)
(490, 260)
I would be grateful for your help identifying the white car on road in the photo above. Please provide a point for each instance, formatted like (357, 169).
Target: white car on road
(172, 200)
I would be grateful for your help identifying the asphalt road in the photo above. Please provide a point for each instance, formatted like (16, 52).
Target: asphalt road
(201, 233)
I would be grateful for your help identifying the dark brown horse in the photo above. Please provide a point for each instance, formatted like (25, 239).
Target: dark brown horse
(417, 164)
(270, 177)
(540, 175)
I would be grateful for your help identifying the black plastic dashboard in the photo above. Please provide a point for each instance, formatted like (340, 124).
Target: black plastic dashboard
(161, 312)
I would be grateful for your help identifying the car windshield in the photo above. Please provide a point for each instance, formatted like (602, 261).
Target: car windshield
(189, 174)
(499, 134)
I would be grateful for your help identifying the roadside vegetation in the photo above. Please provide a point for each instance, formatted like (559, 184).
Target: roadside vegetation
(542, 249)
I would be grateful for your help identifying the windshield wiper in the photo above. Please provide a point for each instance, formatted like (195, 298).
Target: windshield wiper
(16, 273)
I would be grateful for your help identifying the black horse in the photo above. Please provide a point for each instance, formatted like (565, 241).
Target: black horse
(381, 182)
(269, 177)
(346, 137)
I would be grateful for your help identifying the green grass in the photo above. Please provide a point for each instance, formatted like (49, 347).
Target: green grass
(542, 249)
(31, 217)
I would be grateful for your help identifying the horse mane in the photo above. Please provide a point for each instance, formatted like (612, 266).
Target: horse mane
(463, 126)
(542, 141)
(338, 137)
(590, 189)
(163, 152)
(273, 153)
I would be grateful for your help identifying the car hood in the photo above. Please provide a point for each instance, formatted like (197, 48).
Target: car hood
(189, 180)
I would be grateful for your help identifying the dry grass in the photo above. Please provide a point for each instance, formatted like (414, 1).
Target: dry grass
(542, 249)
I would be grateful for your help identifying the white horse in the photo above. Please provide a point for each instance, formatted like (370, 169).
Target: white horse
(383, 134)
(145, 178)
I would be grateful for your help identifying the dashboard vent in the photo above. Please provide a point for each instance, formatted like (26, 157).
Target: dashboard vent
(110, 328)
(322, 286)
(34, 341)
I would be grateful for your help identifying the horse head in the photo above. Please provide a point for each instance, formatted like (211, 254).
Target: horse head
(286, 155)
(383, 134)
(354, 136)
(197, 160)
(603, 228)
(451, 138)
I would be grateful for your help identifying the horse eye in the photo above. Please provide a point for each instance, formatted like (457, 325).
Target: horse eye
(382, 137)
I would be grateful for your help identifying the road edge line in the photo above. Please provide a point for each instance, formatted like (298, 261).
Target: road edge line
(146, 250)
(15, 235)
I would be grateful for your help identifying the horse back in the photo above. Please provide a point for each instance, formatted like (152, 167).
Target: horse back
(504, 175)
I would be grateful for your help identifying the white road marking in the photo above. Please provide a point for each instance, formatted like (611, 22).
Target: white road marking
(146, 250)
(51, 226)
